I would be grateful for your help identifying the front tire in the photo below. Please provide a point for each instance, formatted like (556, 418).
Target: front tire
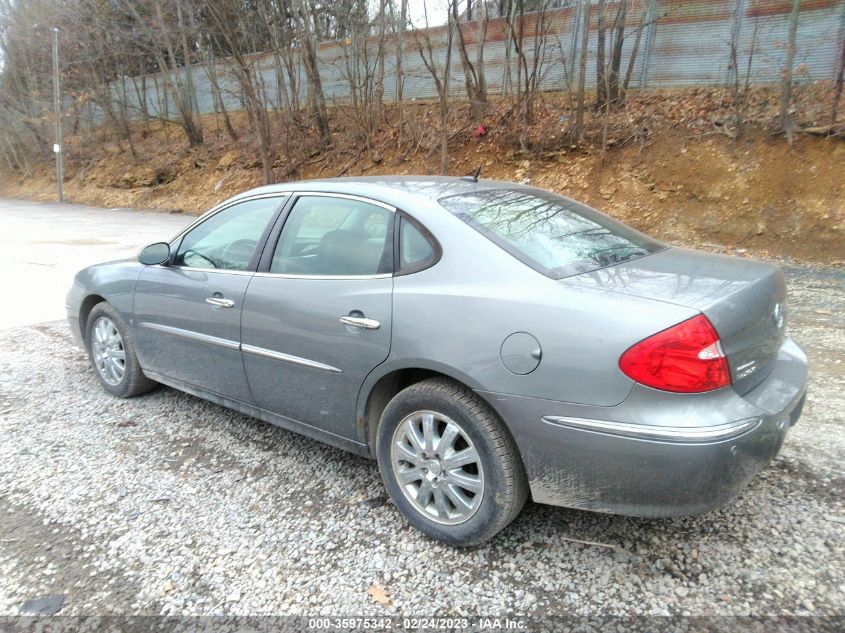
(112, 352)
(449, 463)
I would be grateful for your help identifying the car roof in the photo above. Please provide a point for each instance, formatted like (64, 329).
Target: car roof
(389, 189)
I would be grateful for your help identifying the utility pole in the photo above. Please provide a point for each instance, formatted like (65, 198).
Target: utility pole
(57, 148)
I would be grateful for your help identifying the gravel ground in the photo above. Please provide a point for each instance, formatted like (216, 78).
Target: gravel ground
(167, 504)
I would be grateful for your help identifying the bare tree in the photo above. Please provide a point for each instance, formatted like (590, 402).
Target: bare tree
(646, 19)
(108, 89)
(283, 31)
(440, 74)
(400, 53)
(529, 74)
(482, 23)
(381, 23)
(601, 69)
(206, 51)
(787, 123)
(161, 47)
(840, 71)
(474, 79)
(582, 71)
(739, 86)
(228, 18)
(312, 71)
(733, 68)
(365, 70)
(186, 59)
(613, 81)
(611, 86)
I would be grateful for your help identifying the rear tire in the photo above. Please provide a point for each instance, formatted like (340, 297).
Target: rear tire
(111, 350)
(449, 463)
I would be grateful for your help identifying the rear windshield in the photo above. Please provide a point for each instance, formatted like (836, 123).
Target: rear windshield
(554, 235)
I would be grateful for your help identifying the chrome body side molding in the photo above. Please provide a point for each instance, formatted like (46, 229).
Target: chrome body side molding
(659, 433)
(191, 335)
(249, 349)
(288, 358)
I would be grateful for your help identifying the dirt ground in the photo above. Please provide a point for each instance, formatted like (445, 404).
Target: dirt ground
(671, 169)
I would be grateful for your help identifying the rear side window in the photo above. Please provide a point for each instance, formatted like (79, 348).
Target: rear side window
(338, 237)
(415, 251)
(554, 235)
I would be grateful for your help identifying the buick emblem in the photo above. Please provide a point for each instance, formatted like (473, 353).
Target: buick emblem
(777, 315)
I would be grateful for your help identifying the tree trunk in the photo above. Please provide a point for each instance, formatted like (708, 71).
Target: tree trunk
(787, 124)
(601, 70)
(190, 124)
(400, 79)
(441, 82)
(616, 54)
(481, 39)
(217, 95)
(840, 72)
(123, 118)
(254, 105)
(444, 104)
(186, 55)
(582, 72)
(379, 87)
(470, 78)
(312, 72)
(636, 49)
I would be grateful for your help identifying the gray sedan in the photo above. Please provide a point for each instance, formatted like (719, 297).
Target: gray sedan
(484, 341)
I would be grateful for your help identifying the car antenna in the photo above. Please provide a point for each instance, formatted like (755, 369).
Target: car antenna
(474, 176)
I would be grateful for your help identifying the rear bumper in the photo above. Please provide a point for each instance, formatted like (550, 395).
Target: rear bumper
(656, 454)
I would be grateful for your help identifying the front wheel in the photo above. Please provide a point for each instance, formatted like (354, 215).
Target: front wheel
(112, 353)
(449, 463)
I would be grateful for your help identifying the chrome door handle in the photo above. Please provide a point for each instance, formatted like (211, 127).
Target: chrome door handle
(367, 324)
(220, 303)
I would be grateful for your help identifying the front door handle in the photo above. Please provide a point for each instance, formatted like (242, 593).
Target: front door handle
(220, 302)
(367, 324)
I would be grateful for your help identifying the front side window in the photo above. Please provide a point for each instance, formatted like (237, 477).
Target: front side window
(334, 237)
(554, 235)
(228, 239)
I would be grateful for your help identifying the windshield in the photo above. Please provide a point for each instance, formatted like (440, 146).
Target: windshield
(554, 235)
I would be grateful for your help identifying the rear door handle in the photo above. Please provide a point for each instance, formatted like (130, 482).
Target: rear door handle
(367, 324)
(220, 302)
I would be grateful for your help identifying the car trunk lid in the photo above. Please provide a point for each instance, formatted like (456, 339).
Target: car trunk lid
(743, 299)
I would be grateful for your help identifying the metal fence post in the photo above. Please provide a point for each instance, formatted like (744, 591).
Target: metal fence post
(57, 113)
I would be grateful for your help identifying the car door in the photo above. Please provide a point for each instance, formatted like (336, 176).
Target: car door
(188, 312)
(317, 315)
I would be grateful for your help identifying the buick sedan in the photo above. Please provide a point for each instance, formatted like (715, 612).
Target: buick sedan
(485, 342)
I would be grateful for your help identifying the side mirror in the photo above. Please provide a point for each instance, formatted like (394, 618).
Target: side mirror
(153, 254)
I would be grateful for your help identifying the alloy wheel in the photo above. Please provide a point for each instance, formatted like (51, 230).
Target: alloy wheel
(109, 354)
(437, 467)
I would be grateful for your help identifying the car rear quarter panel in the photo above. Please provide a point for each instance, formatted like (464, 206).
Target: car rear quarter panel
(458, 313)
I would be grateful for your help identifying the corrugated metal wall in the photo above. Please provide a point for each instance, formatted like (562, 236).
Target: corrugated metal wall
(684, 43)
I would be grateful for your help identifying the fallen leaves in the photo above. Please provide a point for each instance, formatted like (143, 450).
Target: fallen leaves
(380, 594)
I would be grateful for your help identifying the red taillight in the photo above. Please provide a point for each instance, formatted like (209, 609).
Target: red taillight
(686, 358)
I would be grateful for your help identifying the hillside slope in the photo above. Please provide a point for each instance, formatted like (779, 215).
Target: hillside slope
(674, 176)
